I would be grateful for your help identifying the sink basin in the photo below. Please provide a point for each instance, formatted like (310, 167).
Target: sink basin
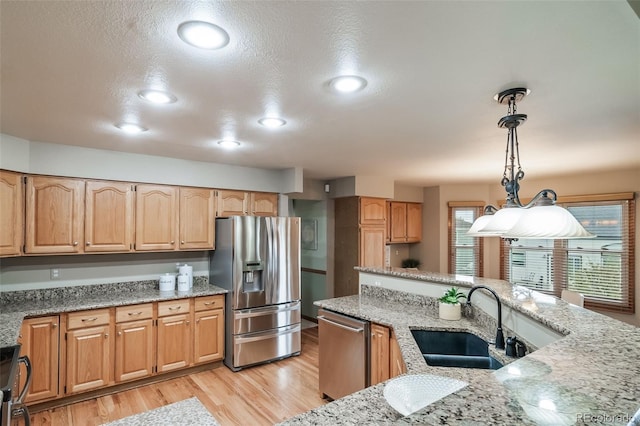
(454, 349)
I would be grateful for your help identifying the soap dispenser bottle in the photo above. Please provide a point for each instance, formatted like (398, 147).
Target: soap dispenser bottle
(511, 346)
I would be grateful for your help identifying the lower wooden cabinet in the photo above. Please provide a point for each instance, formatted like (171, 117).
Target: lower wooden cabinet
(89, 350)
(386, 358)
(174, 335)
(134, 348)
(208, 332)
(40, 340)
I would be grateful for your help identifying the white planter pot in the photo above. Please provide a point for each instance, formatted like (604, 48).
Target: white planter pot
(449, 312)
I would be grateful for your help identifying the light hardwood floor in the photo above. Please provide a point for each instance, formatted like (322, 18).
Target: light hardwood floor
(261, 395)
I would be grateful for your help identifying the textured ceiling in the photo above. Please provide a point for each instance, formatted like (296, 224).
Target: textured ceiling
(71, 69)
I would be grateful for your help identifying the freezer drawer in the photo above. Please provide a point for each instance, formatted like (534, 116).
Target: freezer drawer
(254, 348)
(343, 354)
(265, 318)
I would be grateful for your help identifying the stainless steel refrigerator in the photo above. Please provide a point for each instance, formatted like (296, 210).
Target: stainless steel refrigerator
(258, 260)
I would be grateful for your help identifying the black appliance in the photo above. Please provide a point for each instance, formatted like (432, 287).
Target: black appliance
(13, 406)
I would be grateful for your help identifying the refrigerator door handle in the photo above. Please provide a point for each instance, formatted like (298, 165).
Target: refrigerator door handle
(256, 312)
(263, 335)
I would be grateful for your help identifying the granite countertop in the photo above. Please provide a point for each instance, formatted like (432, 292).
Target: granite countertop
(591, 375)
(15, 306)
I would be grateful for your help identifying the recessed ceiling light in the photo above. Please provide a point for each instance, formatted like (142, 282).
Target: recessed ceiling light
(204, 35)
(347, 83)
(229, 144)
(131, 128)
(157, 96)
(272, 122)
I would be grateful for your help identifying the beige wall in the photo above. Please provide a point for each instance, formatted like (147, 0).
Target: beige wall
(433, 249)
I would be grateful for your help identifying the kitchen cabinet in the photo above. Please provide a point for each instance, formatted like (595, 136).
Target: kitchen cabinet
(108, 216)
(360, 235)
(54, 215)
(405, 222)
(11, 213)
(174, 335)
(197, 219)
(208, 336)
(40, 340)
(134, 346)
(88, 350)
(242, 203)
(379, 354)
(156, 217)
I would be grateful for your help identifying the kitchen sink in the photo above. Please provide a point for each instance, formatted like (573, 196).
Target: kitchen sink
(454, 349)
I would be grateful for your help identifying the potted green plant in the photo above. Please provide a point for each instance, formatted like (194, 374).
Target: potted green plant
(449, 307)
(410, 263)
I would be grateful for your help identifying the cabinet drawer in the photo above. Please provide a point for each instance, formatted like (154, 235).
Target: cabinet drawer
(209, 302)
(173, 307)
(134, 312)
(87, 318)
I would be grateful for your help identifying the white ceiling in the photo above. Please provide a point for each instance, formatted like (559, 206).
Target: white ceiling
(71, 69)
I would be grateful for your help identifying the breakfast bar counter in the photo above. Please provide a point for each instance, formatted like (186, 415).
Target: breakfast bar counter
(589, 375)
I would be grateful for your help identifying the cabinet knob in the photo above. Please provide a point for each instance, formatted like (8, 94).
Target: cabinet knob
(119, 333)
(187, 322)
(75, 243)
(106, 335)
(172, 242)
(198, 321)
(54, 325)
(88, 243)
(181, 242)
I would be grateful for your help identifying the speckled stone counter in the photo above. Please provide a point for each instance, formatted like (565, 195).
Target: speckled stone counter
(590, 376)
(16, 305)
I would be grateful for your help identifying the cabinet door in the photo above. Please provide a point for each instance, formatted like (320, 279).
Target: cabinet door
(174, 342)
(373, 211)
(208, 337)
(396, 362)
(108, 219)
(379, 354)
(372, 239)
(197, 219)
(156, 217)
(134, 350)
(264, 204)
(232, 203)
(55, 215)
(11, 213)
(398, 222)
(414, 222)
(88, 359)
(40, 340)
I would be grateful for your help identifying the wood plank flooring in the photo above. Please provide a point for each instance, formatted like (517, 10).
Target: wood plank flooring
(261, 395)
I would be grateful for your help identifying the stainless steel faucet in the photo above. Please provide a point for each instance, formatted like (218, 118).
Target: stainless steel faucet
(499, 335)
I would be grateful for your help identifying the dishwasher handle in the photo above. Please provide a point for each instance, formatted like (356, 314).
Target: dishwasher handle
(346, 327)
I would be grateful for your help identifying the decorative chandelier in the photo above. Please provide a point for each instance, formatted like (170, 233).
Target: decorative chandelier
(540, 218)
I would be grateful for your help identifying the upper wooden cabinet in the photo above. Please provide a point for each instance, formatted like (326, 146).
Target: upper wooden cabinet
(11, 213)
(156, 217)
(108, 217)
(197, 219)
(405, 222)
(263, 204)
(54, 215)
(373, 211)
(242, 203)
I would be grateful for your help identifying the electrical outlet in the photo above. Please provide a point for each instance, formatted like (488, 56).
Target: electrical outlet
(55, 274)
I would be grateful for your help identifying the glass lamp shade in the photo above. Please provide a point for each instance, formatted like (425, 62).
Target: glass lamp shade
(502, 221)
(479, 224)
(552, 222)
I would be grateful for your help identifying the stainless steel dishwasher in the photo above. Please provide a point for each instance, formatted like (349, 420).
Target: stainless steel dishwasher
(344, 354)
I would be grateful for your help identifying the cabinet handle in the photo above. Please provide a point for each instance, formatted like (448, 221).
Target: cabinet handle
(175, 308)
(106, 336)
(119, 333)
(135, 313)
(209, 303)
(187, 322)
(198, 321)
(181, 242)
(89, 319)
(54, 325)
(88, 243)
(75, 243)
(172, 242)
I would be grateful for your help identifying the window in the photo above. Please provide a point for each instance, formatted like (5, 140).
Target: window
(600, 268)
(465, 252)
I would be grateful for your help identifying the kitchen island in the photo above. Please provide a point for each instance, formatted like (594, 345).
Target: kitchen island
(589, 374)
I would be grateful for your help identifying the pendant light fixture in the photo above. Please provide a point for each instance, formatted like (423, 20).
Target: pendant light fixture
(540, 218)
